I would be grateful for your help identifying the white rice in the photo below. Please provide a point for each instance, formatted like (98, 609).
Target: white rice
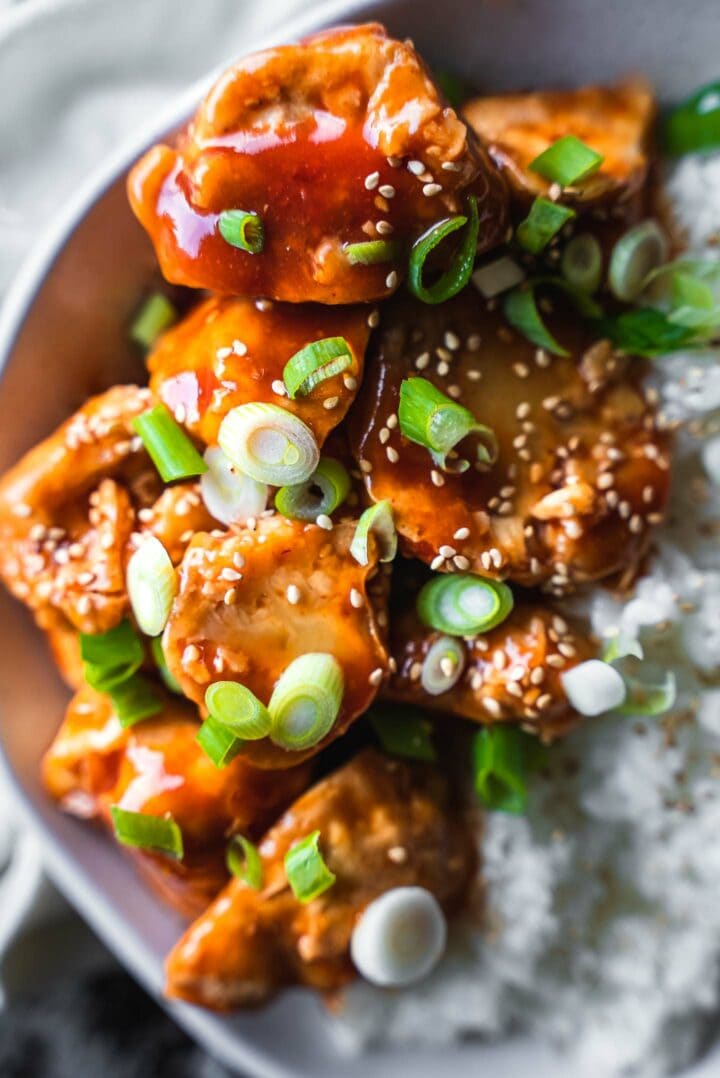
(602, 929)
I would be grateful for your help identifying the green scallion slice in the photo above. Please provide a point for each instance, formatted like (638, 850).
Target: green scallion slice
(315, 363)
(582, 263)
(135, 699)
(403, 732)
(306, 701)
(694, 126)
(244, 862)
(155, 316)
(500, 765)
(159, 834)
(151, 582)
(649, 690)
(634, 257)
(458, 273)
(371, 252)
(243, 229)
(306, 871)
(566, 161)
(544, 221)
(169, 680)
(434, 421)
(462, 604)
(378, 521)
(443, 665)
(521, 310)
(218, 742)
(170, 449)
(269, 444)
(300, 502)
(234, 706)
(120, 646)
(646, 332)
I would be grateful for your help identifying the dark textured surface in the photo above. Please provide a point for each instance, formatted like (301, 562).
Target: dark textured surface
(81, 1016)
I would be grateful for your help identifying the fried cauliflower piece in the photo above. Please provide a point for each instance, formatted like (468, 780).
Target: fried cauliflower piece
(510, 674)
(383, 823)
(316, 138)
(157, 767)
(582, 473)
(66, 513)
(231, 351)
(615, 121)
(250, 602)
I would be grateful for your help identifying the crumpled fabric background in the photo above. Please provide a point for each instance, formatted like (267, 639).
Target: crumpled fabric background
(75, 77)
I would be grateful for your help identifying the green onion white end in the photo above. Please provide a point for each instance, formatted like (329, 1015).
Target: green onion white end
(498, 276)
(269, 444)
(634, 257)
(152, 585)
(399, 938)
(443, 666)
(594, 687)
(229, 495)
(378, 520)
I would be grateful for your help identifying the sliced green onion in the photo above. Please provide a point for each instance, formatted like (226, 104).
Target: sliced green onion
(112, 657)
(566, 161)
(582, 262)
(158, 833)
(134, 699)
(306, 871)
(443, 666)
(371, 252)
(457, 275)
(243, 229)
(315, 363)
(169, 680)
(377, 521)
(218, 742)
(156, 315)
(463, 605)
(434, 421)
(151, 585)
(621, 646)
(306, 701)
(645, 332)
(544, 221)
(694, 126)
(120, 646)
(497, 276)
(234, 706)
(521, 310)
(170, 449)
(229, 495)
(269, 444)
(635, 255)
(691, 291)
(330, 478)
(402, 732)
(500, 764)
(244, 862)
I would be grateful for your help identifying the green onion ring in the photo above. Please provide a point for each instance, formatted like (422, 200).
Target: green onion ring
(462, 604)
(458, 273)
(378, 521)
(299, 503)
(244, 862)
(306, 871)
(306, 701)
(315, 363)
(243, 229)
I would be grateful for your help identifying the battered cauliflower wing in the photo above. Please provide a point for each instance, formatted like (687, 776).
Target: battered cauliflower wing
(383, 823)
(251, 601)
(229, 351)
(582, 473)
(340, 139)
(157, 767)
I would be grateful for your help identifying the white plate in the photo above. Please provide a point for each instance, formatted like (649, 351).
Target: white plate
(62, 336)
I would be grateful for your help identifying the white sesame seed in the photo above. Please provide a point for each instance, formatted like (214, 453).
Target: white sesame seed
(416, 167)
(451, 166)
(376, 676)
(461, 562)
(292, 594)
(437, 561)
(391, 421)
(386, 190)
(356, 598)
(437, 478)
(231, 574)
(373, 319)
(452, 341)
(230, 596)
(454, 391)
(392, 279)
(462, 533)
(323, 521)
(448, 551)
(350, 382)
(278, 387)
(384, 228)
(191, 654)
(392, 454)
(422, 361)
(239, 348)
(330, 402)
(430, 189)
(372, 180)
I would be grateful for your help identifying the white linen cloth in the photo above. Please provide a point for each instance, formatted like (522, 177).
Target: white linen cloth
(75, 77)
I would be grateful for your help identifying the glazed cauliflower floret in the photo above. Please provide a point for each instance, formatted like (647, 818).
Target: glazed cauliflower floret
(341, 139)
